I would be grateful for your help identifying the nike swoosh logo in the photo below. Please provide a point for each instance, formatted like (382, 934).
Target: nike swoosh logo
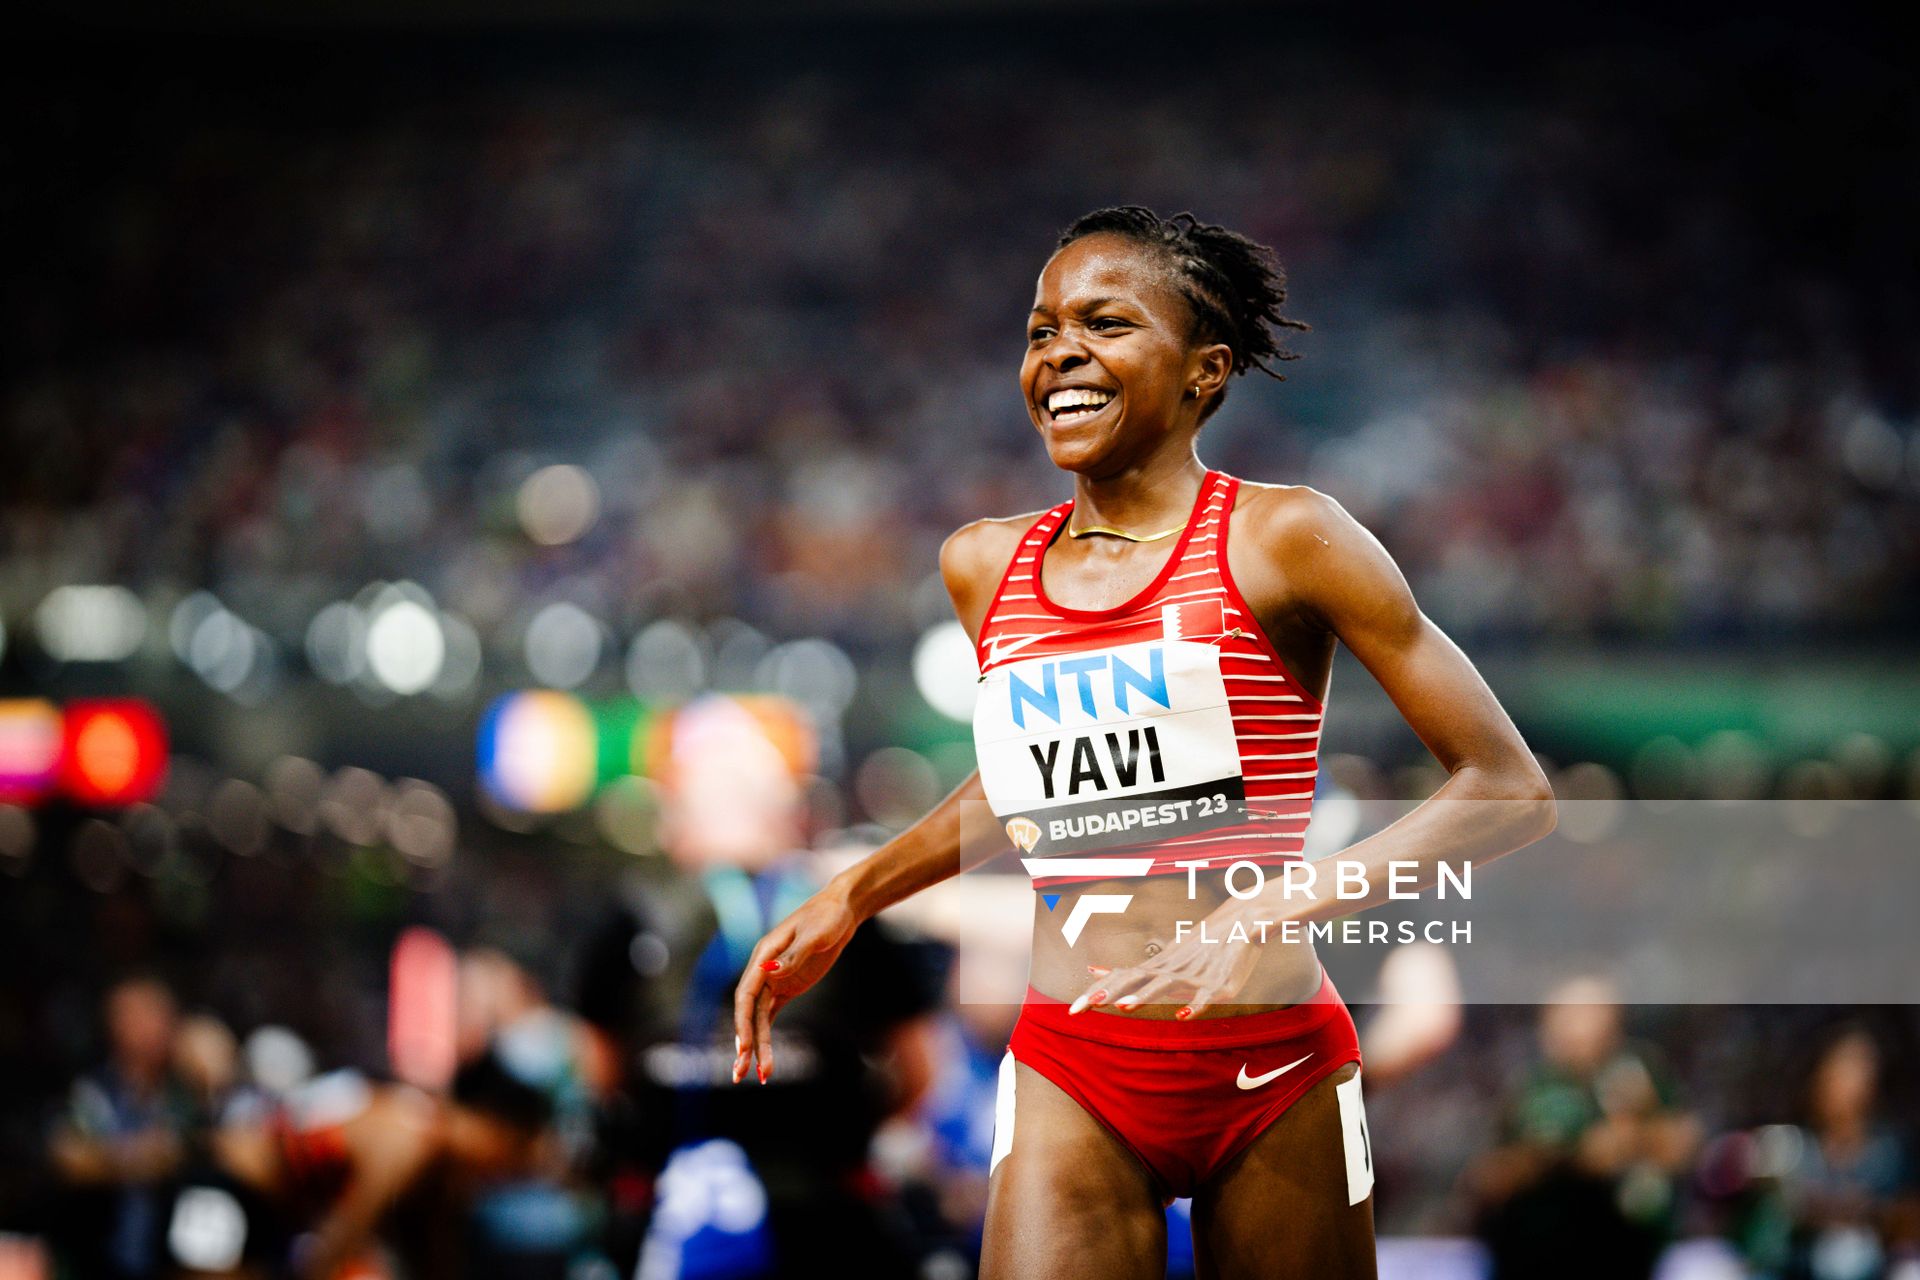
(1254, 1082)
(999, 649)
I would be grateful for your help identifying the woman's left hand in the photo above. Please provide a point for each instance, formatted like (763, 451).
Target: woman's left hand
(1198, 973)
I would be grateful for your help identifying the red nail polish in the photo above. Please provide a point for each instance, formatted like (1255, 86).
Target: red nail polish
(771, 966)
(1186, 1011)
(1098, 997)
(1097, 971)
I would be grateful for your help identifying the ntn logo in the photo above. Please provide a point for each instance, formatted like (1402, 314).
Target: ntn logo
(1088, 676)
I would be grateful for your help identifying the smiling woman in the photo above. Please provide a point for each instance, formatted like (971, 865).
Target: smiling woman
(1149, 719)
(1232, 289)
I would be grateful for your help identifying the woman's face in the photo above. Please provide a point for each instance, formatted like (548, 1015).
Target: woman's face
(1109, 365)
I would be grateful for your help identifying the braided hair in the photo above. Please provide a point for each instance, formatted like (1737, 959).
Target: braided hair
(1234, 285)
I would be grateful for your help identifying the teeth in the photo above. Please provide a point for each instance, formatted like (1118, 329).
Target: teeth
(1077, 398)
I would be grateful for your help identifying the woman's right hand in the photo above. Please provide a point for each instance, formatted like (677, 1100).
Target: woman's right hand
(795, 954)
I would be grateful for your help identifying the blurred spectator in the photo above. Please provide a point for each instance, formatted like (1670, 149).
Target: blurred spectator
(538, 1224)
(505, 1011)
(1419, 1016)
(943, 1151)
(122, 1137)
(1584, 1183)
(206, 1061)
(1850, 1187)
(754, 1179)
(338, 1156)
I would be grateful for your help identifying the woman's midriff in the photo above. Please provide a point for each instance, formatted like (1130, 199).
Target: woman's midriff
(1286, 973)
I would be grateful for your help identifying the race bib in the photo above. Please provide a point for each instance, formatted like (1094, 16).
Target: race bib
(1113, 747)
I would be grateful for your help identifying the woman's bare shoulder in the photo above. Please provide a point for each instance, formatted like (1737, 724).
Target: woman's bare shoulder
(1281, 515)
(975, 556)
(1311, 544)
(1300, 545)
(984, 546)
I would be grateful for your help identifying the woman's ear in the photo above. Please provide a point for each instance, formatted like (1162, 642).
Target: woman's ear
(1212, 367)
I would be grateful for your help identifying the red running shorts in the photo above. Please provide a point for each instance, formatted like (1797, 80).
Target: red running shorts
(1186, 1097)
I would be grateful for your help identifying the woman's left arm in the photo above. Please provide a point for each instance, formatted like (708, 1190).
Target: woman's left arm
(1496, 798)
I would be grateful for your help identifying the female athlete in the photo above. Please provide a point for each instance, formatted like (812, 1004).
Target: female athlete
(1154, 657)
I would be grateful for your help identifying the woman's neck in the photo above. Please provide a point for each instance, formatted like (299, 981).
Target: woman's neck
(1142, 499)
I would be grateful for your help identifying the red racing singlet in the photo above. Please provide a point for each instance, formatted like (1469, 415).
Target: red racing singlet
(1162, 731)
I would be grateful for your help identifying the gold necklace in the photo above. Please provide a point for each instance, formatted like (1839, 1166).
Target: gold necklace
(1122, 533)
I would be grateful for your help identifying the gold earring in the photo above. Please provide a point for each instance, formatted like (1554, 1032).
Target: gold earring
(1195, 393)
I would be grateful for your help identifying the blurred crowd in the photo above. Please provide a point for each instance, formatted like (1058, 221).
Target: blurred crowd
(1586, 357)
(494, 1132)
(528, 1073)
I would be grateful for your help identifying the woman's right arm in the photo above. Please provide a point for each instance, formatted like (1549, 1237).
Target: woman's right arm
(797, 952)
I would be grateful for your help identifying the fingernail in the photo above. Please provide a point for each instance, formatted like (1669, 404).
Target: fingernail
(1186, 1011)
(1097, 971)
(1098, 997)
(1077, 1005)
(771, 966)
(1126, 1004)
(763, 1073)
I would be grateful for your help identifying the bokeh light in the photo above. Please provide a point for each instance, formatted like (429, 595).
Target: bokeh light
(114, 751)
(421, 1021)
(277, 1059)
(336, 643)
(405, 646)
(353, 805)
(946, 670)
(238, 817)
(537, 751)
(294, 787)
(563, 647)
(83, 623)
(666, 662)
(627, 812)
(30, 736)
(558, 504)
(421, 824)
(738, 650)
(815, 673)
(895, 786)
(185, 619)
(460, 664)
(225, 650)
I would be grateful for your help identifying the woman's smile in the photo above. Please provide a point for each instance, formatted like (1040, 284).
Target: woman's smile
(1071, 407)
